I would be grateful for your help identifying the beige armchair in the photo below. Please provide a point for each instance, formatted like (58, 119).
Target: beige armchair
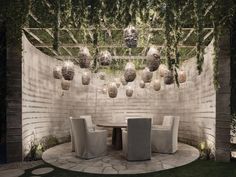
(88, 144)
(136, 140)
(165, 138)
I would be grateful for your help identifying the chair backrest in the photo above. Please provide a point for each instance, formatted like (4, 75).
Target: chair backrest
(88, 120)
(175, 127)
(80, 133)
(139, 139)
(167, 121)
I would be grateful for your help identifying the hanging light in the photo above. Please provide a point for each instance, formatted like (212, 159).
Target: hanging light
(65, 84)
(182, 76)
(156, 85)
(68, 70)
(147, 75)
(84, 57)
(131, 36)
(123, 81)
(117, 81)
(130, 72)
(168, 77)
(142, 84)
(129, 91)
(57, 72)
(102, 75)
(153, 59)
(105, 58)
(112, 90)
(162, 69)
(85, 78)
(104, 89)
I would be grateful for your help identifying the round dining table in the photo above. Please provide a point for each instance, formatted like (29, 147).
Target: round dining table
(116, 133)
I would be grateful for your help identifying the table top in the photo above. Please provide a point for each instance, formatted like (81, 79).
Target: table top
(112, 125)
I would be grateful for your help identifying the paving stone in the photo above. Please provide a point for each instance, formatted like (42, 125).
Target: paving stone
(41, 171)
(114, 163)
(12, 173)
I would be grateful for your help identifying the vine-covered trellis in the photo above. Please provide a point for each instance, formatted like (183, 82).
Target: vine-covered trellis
(180, 28)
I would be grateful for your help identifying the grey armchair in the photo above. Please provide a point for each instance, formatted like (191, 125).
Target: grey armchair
(136, 140)
(88, 144)
(165, 138)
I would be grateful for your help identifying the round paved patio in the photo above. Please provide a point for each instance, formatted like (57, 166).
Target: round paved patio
(114, 163)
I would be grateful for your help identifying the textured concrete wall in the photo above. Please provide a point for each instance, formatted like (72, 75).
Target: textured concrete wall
(46, 108)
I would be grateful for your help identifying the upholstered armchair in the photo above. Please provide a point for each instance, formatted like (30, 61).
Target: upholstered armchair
(165, 138)
(136, 140)
(88, 143)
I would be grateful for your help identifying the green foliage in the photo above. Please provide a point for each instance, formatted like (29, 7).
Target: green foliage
(48, 142)
(38, 147)
(233, 125)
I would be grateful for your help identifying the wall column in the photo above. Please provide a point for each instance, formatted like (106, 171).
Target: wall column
(223, 111)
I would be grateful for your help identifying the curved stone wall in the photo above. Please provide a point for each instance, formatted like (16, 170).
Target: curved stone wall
(46, 107)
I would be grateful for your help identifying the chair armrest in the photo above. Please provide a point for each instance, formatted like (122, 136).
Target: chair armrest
(97, 133)
(162, 128)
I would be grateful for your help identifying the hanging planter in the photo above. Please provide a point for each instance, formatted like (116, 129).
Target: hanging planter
(129, 91)
(168, 77)
(123, 81)
(182, 76)
(57, 72)
(85, 78)
(147, 75)
(156, 85)
(142, 84)
(65, 84)
(104, 89)
(131, 36)
(117, 81)
(112, 90)
(153, 59)
(130, 72)
(68, 70)
(162, 69)
(84, 57)
(105, 58)
(102, 76)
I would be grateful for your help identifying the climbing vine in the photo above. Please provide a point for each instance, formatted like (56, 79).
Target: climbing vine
(199, 25)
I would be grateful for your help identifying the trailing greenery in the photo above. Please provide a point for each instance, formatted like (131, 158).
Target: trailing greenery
(92, 17)
(198, 11)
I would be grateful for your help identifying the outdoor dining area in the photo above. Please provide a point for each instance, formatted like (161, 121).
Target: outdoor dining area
(135, 146)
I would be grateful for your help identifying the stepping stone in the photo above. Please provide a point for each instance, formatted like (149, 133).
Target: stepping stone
(12, 173)
(42, 171)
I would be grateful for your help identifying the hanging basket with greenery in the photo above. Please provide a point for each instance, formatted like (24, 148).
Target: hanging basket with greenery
(131, 36)
(105, 58)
